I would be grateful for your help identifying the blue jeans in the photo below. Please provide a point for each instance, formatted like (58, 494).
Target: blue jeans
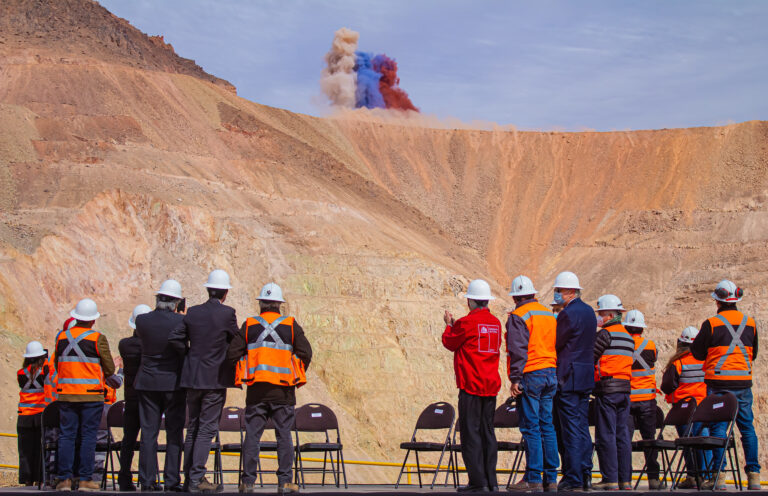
(536, 425)
(745, 421)
(85, 418)
(703, 457)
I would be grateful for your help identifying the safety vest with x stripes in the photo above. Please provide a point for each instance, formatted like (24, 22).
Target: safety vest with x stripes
(730, 350)
(269, 358)
(32, 394)
(79, 363)
(643, 375)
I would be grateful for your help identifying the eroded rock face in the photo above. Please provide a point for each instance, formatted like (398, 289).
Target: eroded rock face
(115, 176)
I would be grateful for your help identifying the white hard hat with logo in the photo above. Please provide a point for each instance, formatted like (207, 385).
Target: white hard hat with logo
(609, 302)
(171, 288)
(85, 310)
(522, 286)
(271, 292)
(218, 279)
(139, 310)
(727, 292)
(479, 290)
(634, 318)
(567, 280)
(689, 334)
(34, 350)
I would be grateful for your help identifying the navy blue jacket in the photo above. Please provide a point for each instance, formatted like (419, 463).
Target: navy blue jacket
(575, 344)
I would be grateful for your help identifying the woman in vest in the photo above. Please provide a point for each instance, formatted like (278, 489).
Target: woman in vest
(32, 402)
(684, 378)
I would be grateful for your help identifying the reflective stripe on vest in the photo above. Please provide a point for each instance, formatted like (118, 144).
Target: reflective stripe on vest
(270, 361)
(643, 380)
(692, 372)
(78, 372)
(637, 357)
(616, 360)
(735, 341)
(32, 394)
(691, 380)
(619, 345)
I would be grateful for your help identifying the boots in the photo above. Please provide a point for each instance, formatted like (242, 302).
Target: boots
(718, 485)
(654, 484)
(753, 481)
(64, 485)
(89, 486)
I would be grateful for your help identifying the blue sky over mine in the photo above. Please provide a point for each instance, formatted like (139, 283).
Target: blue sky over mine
(548, 64)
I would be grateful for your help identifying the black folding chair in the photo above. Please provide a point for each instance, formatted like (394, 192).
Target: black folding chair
(507, 417)
(718, 407)
(232, 420)
(314, 417)
(49, 443)
(436, 416)
(637, 448)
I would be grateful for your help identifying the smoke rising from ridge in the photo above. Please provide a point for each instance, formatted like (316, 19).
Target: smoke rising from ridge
(339, 79)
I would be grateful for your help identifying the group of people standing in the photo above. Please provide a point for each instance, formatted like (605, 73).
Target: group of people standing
(557, 360)
(177, 367)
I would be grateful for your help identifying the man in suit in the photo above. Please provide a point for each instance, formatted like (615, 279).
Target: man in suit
(130, 352)
(157, 383)
(206, 330)
(574, 345)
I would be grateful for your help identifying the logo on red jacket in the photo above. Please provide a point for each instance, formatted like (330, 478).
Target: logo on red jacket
(488, 338)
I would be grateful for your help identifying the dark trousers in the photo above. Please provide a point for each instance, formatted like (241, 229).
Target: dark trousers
(29, 429)
(205, 406)
(82, 418)
(255, 419)
(644, 416)
(152, 406)
(573, 413)
(612, 440)
(130, 435)
(478, 439)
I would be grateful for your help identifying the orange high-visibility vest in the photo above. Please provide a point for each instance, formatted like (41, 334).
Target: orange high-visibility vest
(616, 360)
(691, 380)
(541, 324)
(110, 395)
(643, 378)
(270, 360)
(730, 359)
(50, 383)
(32, 394)
(79, 363)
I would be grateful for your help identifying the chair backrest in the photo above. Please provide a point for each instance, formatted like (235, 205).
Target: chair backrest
(438, 415)
(115, 415)
(314, 417)
(681, 412)
(231, 419)
(103, 424)
(718, 407)
(506, 417)
(51, 416)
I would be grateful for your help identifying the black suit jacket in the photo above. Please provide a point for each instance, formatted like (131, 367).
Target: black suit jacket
(207, 330)
(160, 368)
(130, 351)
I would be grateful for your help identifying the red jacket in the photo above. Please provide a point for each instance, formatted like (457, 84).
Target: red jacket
(475, 340)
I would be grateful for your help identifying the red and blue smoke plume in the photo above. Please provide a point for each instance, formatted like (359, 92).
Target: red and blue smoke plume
(360, 79)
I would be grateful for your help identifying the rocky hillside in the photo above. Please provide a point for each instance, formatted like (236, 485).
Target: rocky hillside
(122, 164)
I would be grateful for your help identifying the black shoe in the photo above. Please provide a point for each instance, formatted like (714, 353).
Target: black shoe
(203, 486)
(151, 488)
(587, 486)
(567, 488)
(127, 488)
(175, 489)
(472, 489)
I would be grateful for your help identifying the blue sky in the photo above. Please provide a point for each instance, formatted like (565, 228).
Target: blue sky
(563, 65)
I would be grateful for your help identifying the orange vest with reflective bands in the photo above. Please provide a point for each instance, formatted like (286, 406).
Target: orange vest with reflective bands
(644, 377)
(32, 394)
(542, 325)
(616, 360)
(729, 358)
(50, 383)
(268, 358)
(79, 363)
(691, 382)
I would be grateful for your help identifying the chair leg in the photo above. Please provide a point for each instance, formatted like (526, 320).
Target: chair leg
(343, 468)
(437, 469)
(402, 469)
(418, 468)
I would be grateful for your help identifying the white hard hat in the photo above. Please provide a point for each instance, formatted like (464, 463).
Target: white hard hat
(689, 334)
(218, 279)
(479, 290)
(522, 286)
(567, 280)
(140, 309)
(727, 292)
(34, 350)
(271, 292)
(609, 302)
(634, 318)
(85, 310)
(171, 288)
